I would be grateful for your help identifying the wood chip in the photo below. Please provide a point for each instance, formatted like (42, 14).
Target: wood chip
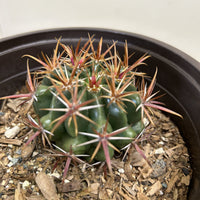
(84, 182)
(14, 104)
(93, 189)
(128, 189)
(46, 186)
(175, 194)
(185, 180)
(141, 196)
(172, 181)
(11, 141)
(146, 171)
(35, 197)
(124, 195)
(18, 193)
(154, 188)
(103, 195)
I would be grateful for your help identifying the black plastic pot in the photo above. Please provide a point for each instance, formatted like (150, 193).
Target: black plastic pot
(178, 76)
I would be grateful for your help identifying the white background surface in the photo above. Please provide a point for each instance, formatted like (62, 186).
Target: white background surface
(176, 22)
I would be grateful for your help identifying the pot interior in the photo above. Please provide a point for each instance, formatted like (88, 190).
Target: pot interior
(178, 75)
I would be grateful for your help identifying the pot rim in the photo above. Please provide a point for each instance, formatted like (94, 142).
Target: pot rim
(171, 48)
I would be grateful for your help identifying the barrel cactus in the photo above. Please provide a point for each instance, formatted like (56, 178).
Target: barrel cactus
(87, 100)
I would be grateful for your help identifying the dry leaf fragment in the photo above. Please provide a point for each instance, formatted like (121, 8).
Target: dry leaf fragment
(46, 186)
(138, 160)
(27, 150)
(70, 186)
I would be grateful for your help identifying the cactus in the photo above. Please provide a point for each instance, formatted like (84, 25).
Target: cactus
(86, 92)
(88, 101)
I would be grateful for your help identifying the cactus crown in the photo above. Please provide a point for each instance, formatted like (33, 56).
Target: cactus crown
(87, 102)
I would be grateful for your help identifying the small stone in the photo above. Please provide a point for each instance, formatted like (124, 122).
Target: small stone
(9, 157)
(55, 174)
(70, 177)
(92, 169)
(13, 161)
(159, 168)
(3, 183)
(66, 181)
(32, 187)
(164, 185)
(10, 164)
(161, 193)
(185, 171)
(159, 151)
(35, 153)
(161, 143)
(25, 184)
(19, 151)
(121, 171)
(164, 139)
(39, 169)
(146, 122)
(12, 132)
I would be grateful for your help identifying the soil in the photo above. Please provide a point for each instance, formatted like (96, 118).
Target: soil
(27, 172)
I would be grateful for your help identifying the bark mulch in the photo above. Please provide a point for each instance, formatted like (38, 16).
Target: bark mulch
(27, 172)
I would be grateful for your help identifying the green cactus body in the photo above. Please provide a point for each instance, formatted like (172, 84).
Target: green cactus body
(65, 135)
(44, 98)
(68, 142)
(95, 80)
(118, 119)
